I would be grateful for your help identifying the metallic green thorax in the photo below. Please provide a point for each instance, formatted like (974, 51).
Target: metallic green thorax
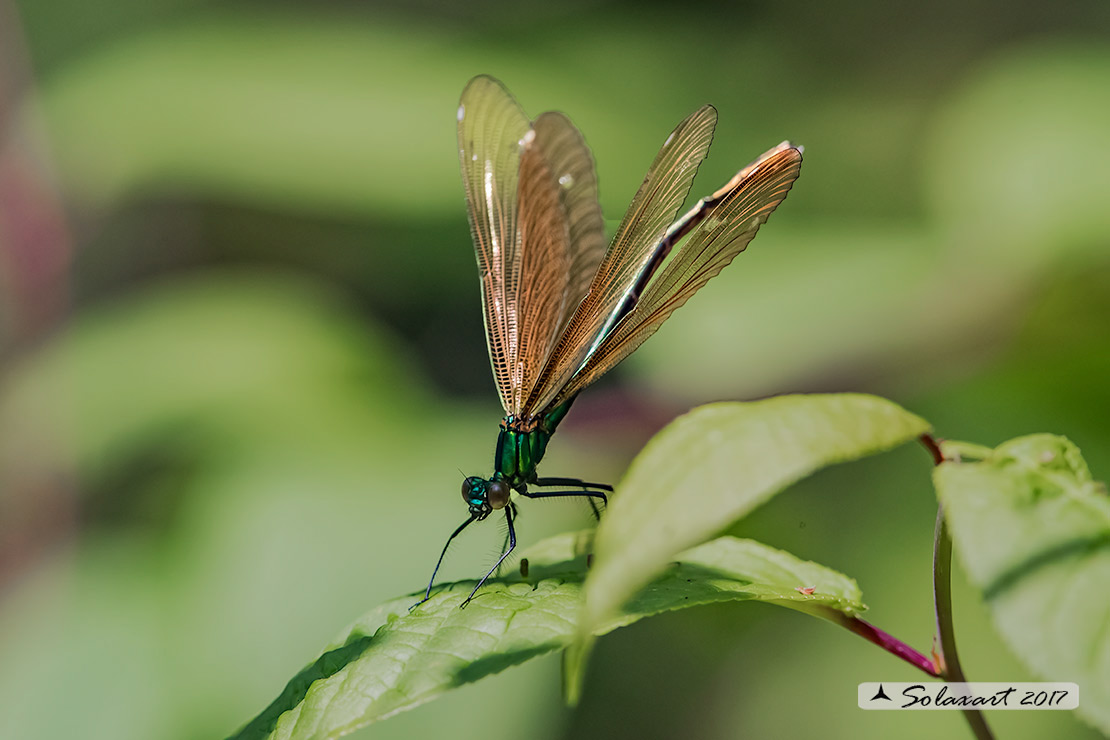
(520, 447)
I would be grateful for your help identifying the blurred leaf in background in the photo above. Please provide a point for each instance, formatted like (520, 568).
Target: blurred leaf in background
(248, 425)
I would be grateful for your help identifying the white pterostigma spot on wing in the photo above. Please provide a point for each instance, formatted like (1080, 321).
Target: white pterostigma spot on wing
(528, 138)
(567, 180)
(495, 242)
(461, 112)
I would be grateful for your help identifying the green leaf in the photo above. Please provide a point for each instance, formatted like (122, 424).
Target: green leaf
(392, 659)
(1033, 532)
(712, 466)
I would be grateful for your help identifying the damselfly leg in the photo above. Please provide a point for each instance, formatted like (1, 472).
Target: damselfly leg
(591, 495)
(428, 592)
(512, 546)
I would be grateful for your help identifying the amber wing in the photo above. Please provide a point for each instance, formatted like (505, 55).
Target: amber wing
(531, 193)
(716, 230)
(651, 213)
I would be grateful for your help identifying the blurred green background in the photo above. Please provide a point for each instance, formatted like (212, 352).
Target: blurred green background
(243, 360)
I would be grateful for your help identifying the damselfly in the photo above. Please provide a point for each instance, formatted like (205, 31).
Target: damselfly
(561, 309)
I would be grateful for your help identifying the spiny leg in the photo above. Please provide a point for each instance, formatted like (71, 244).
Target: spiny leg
(591, 495)
(571, 482)
(505, 542)
(428, 593)
(556, 481)
(512, 546)
(594, 509)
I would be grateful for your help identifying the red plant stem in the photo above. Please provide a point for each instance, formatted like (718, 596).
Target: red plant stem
(891, 644)
(933, 448)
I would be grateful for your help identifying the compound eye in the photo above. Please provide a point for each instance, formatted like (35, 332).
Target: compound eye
(498, 493)
(473, 490)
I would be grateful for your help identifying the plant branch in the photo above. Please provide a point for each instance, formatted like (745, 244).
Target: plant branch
(948, 657)
(933, 447)
(885, 640)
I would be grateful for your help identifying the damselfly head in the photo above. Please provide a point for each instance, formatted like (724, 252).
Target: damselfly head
(485, 496)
